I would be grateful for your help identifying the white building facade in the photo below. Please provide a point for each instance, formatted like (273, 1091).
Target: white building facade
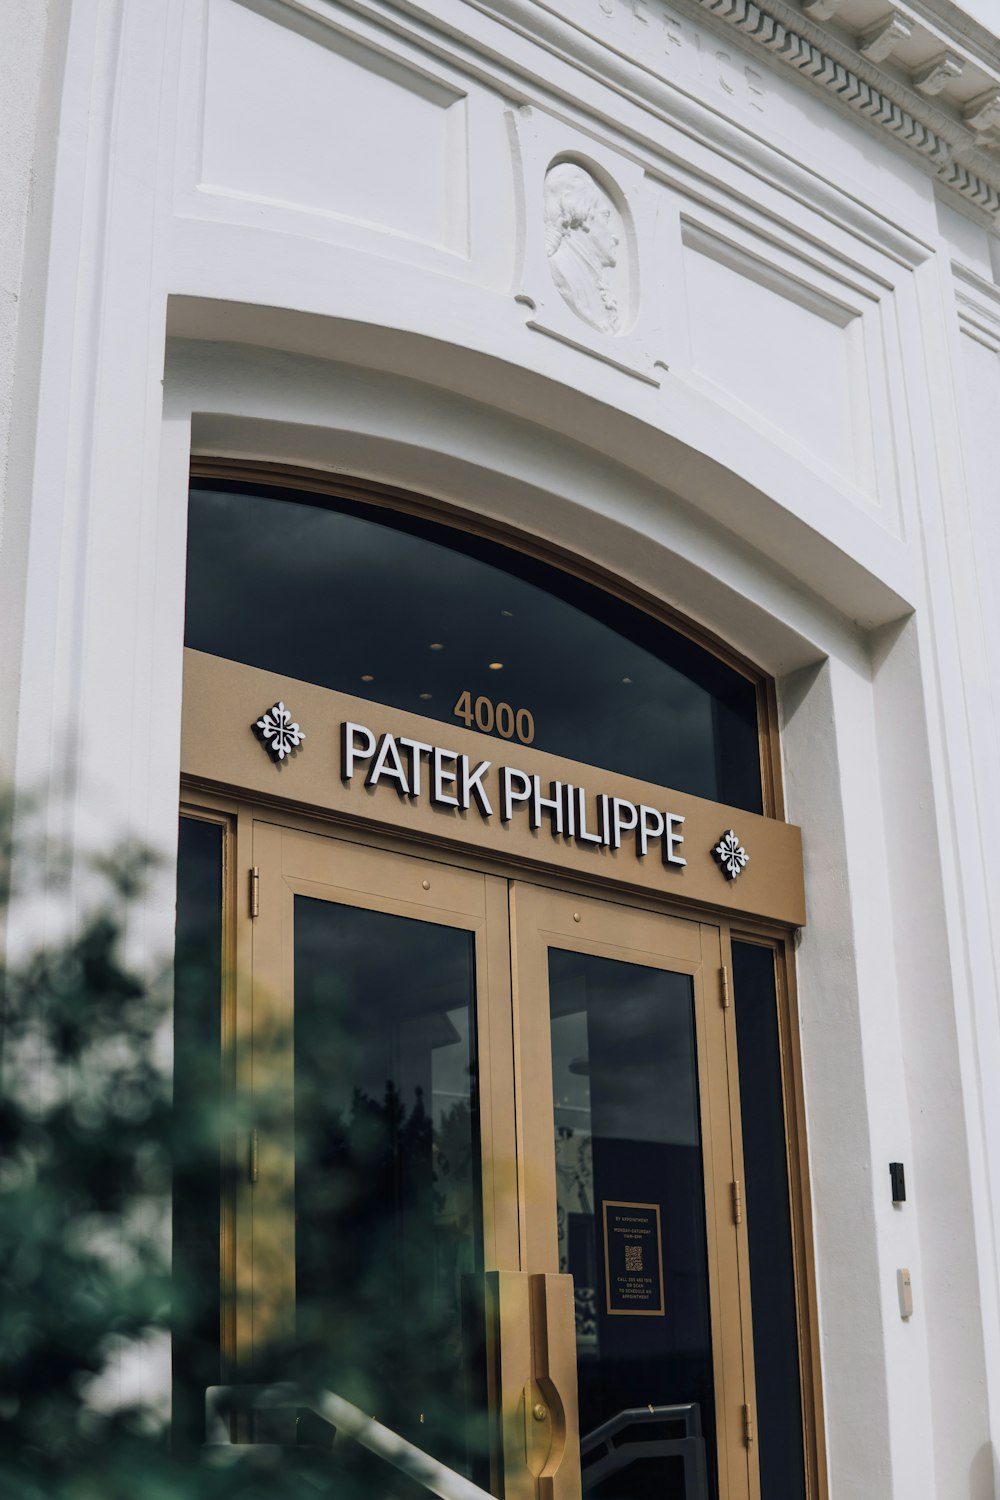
(704, 296)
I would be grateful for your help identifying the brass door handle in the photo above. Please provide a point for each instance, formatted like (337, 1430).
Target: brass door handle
(553, 1350)
(535, 1379)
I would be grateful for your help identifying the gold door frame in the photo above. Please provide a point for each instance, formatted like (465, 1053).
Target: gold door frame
(519, 1248)
(227, 777)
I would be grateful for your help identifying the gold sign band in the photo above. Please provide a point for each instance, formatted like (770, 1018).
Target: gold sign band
(543, 812)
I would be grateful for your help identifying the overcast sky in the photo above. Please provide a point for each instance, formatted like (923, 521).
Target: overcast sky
(986, 12)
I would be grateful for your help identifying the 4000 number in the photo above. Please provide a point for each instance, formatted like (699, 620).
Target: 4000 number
(495, 718)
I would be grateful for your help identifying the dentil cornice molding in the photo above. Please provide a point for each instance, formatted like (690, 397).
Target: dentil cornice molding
(924, 73)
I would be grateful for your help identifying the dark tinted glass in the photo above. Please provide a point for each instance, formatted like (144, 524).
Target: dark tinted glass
(631, 1222)
(413, 614)
(197, 1017)
(388, 1238)
(769, 1228)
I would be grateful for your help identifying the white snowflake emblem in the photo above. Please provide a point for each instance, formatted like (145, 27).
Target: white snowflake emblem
(277, 733)
(731, 855)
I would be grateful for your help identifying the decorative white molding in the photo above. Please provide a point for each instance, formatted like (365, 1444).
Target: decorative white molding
(882, 40)
(933, 76)
(978, 304)
(982, 115)
(911, 127)
(949, 139)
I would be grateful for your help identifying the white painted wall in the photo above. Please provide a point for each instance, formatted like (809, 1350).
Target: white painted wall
(983, 11)
(31, 42)
(313, 233)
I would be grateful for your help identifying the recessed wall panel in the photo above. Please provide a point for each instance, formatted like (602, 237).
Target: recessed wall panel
(982, 394)
(789, 355)
(300, 115)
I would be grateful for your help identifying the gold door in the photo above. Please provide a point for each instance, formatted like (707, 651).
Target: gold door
(381, 1185)
(494, 1172)
(631, 1186)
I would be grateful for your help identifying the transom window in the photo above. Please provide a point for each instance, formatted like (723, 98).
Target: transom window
(418, 615)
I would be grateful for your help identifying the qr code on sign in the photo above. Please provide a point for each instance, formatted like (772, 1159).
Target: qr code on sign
(633, 1257)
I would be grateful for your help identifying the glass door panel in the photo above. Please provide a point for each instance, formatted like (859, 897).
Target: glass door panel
(388, 1232)
(624, 1071)
(630, 1203)
(369, 1237)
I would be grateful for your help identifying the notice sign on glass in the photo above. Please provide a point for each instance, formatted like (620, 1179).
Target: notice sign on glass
(633, 1259)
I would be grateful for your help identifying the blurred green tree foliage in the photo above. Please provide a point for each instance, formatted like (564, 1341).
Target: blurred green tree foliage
(92, 1143)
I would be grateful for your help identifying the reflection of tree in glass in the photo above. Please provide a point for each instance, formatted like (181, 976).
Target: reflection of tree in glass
(387, 1239)
(385, 1297)
(575, 1227)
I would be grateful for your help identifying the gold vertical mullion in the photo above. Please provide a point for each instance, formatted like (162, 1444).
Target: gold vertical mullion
(227, 1033)
(533, 1052)
(501, 1229)
(553, 1329)
(225, 815)
(238, 1041)
(741, 1230)
(800, 1216)
(717, 1187)
(723, 1233)
(518, 1020)
(498, 1152)
(793, 1109)
(268, 1282)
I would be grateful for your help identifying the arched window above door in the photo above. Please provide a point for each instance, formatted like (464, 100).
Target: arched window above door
(410, 612)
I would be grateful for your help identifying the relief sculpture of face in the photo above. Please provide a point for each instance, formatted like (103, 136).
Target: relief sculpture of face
(581, 240)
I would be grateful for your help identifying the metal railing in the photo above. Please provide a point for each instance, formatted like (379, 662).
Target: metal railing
(688, 1446)
(222, 1400)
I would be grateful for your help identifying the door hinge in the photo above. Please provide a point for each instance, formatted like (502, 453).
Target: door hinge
(255, 892)
(253, 1156)
(724, 987)
(737, 1202)
(747, 1425)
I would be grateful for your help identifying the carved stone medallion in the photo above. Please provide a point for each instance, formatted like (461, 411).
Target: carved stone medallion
(583, 233)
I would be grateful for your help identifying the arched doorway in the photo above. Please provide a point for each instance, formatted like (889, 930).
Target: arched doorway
(484, 948)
